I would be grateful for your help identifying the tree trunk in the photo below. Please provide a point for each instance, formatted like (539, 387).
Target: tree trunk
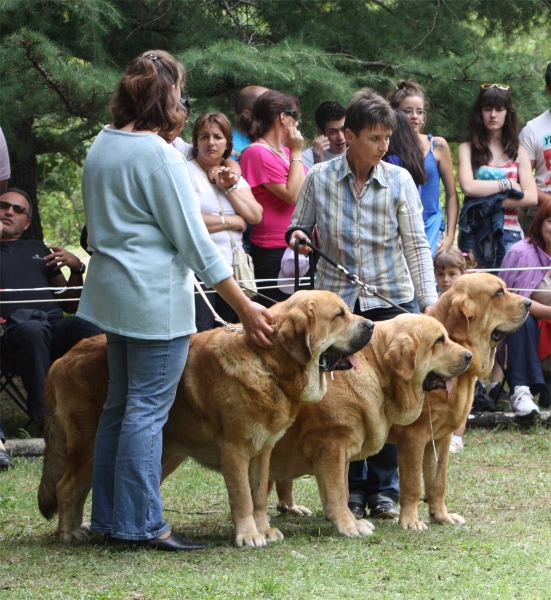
(23, 171)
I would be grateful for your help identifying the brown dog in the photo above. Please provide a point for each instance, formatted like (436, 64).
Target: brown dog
(478, 313)
(233, 403)
(406, 355)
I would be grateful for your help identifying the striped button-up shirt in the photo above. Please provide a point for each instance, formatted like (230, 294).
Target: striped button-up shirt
(379, 236)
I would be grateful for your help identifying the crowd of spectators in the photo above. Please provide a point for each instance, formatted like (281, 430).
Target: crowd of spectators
(368, 189)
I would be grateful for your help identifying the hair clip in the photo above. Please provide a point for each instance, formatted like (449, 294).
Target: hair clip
(464, 254)
(149, 55)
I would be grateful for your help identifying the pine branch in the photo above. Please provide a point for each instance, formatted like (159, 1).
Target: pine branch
(48, 80)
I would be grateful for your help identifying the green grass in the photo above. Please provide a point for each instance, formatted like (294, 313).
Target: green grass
(501, 484)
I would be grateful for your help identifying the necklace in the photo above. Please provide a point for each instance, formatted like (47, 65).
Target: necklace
(279, 152)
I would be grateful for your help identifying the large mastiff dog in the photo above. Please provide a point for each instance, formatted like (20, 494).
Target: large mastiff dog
(478, 313)
(407, 355)
(233, 403)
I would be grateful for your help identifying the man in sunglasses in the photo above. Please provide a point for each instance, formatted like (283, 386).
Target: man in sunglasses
(536, 138)
(35, 331)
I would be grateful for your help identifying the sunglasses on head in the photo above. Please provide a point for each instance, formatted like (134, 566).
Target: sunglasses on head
(291, 113)
(17, 208)
(499, 86)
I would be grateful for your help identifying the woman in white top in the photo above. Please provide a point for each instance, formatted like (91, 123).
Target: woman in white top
(227, 203)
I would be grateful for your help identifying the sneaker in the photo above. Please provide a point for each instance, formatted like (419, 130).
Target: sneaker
(357, 509)
(456, 445)
(522, 402)
(5, 460)
(384, 510)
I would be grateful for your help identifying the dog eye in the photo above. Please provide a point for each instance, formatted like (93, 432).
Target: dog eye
(500, 292)
(440, 340)
(341, 314)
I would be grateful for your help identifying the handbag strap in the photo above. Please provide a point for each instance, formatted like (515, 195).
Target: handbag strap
(217, 317)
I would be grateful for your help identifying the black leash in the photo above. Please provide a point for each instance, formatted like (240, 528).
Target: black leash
(370, 289)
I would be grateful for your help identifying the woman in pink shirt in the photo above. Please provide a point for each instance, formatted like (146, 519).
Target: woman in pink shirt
(272, 165)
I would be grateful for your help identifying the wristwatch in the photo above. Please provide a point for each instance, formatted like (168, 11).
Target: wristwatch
(80, 271)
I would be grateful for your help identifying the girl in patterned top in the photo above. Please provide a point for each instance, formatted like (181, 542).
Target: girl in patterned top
(491, 161)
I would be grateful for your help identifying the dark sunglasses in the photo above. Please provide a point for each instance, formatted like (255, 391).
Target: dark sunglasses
(291, 113)
(17, 208)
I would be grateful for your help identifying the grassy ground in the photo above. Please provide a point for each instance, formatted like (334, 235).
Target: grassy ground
(501, 484)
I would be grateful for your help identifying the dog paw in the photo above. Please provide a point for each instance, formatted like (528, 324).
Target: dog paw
(299, 510)
(272, 535)
(414, 524)
(254, 540)
(86, 527)
(449, 519)
(77, 536)
(364, 528)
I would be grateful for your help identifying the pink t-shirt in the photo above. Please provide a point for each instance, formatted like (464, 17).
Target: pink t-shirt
(260, 165)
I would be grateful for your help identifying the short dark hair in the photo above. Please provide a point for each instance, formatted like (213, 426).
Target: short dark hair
(367, 109)
(145, 93)
(548, 75)
(25, 195)
(328, 111)
(218, 119)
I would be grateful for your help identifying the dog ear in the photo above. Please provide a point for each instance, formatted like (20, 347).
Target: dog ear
(466, 305)
(295, 335)
(401, 355)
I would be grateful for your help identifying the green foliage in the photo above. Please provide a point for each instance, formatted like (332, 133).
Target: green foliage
(62, 211)
(60, 61)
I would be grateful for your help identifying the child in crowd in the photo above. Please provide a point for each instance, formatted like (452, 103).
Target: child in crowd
(449, 265)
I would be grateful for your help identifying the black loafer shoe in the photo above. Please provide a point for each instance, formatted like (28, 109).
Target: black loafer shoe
(384, 510)
(357, 509)
(5, 461)
(174, 543)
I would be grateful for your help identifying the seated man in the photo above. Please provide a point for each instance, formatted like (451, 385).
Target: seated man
(36, 332)
(330, 142)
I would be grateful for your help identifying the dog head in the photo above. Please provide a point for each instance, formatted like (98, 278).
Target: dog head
(420, 354)
(319, 325)
(478, 313)
(422, 349)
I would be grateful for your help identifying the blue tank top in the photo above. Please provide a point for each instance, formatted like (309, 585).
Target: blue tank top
(430, 190)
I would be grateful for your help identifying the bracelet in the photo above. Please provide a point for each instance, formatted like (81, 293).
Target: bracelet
(223, 221)
(233, 187)
(297, 160)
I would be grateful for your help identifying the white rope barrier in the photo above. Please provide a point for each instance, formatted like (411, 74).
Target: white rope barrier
(60, 290)
(287, 281)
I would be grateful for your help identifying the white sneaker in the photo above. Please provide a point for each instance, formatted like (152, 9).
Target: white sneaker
(522, 402)
(456, 445)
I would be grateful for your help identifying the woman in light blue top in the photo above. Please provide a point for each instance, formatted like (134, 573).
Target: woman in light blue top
(147, 234)
(409, 97)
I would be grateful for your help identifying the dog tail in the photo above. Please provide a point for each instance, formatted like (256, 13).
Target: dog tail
(55, 456)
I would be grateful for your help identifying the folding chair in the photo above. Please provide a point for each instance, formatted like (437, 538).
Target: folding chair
(8, 385)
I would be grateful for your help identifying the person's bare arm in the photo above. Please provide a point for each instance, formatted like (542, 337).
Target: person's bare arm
(527, 183)
(61, 257)
(215, 224)
(445, 167)
(288, 192)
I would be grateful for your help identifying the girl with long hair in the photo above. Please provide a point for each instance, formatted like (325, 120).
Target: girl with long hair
(409, 97)
(491, 161)
(405, 150)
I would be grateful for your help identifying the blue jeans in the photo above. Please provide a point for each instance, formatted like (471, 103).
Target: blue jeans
(143, 377)
(376, 479)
